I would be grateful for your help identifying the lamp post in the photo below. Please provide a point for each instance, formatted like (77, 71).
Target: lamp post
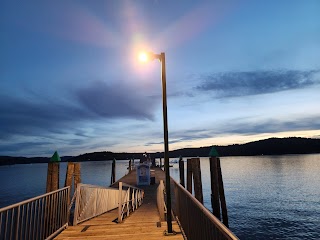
(144, 57)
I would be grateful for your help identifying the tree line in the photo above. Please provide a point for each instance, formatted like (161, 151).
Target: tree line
(271, 146)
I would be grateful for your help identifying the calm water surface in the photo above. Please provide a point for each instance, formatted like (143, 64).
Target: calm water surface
(268, 197)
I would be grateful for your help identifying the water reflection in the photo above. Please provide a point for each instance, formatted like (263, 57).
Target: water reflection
(268, 197)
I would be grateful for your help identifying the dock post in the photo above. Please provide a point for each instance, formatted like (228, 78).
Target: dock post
(53, 173)
(77, 174)
(197, 179)
(49, 178)
(69, 174)
(129, 165)
(69, 177)
(189, 175)
(215, 202)
(222, 196)
(120, 203)
(55, 176)
(181, 171)
(113, 172)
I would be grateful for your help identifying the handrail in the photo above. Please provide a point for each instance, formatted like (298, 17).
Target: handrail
(129, 201)
(196, 220)
(161, 201)
(92, 201)
(41, 217)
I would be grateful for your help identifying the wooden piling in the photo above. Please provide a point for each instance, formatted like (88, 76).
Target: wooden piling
(129, 166)
(77, 174)
(181, 171)
(52, 177)
(69, 174)
(222, 196)
(55, 176)
(214, 187)
(189, 175)
(196, 171)
(69, 177)
(113, 172)
(49, 178)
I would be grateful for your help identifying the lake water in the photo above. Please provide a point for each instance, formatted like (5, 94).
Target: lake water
(268, 197)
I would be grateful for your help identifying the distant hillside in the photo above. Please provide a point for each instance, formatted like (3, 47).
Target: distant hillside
(271, 146)
(102, 156)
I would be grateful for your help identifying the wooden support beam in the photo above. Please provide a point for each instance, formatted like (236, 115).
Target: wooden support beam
(55, 176)
(49, 178)
(69, 177)
(222, 196)
(77, 174)
(113, 172)
(214, 187)
(69, 174)
(181, 171)
(189, 175)
(197, 179)
(52, 177)
(129, 165)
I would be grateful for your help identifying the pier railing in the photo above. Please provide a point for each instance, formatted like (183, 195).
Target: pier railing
(161, 201)
(41, 217)
(129, 200)
(92, 201)
(196, 220)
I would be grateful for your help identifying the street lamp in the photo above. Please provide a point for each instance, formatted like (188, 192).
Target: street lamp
(151, 56)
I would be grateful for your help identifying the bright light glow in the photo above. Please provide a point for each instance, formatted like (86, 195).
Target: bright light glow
(143, 57)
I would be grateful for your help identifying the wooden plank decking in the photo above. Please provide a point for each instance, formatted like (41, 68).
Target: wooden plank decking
(141, 224)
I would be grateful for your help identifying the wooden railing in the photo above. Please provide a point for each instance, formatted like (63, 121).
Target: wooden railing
(42, 217)
(161, 201)
(196, 220)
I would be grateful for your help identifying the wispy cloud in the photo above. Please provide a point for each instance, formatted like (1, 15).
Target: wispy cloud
(36, 115)
(231, 84)
(272, 126)
(246, 127)
(114, 101)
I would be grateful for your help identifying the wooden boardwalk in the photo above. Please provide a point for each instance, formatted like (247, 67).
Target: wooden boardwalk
(141, 224)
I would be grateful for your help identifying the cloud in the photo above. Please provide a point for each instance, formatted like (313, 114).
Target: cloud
(182, 136)
(114, 101)
(41, 116)
(272, 126)
(245, 127)
(190, 135)
(233, 84)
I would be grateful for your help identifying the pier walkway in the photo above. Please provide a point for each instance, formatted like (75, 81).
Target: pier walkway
(144, 223)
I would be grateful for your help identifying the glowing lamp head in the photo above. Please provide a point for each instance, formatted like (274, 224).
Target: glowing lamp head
(143, 57)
